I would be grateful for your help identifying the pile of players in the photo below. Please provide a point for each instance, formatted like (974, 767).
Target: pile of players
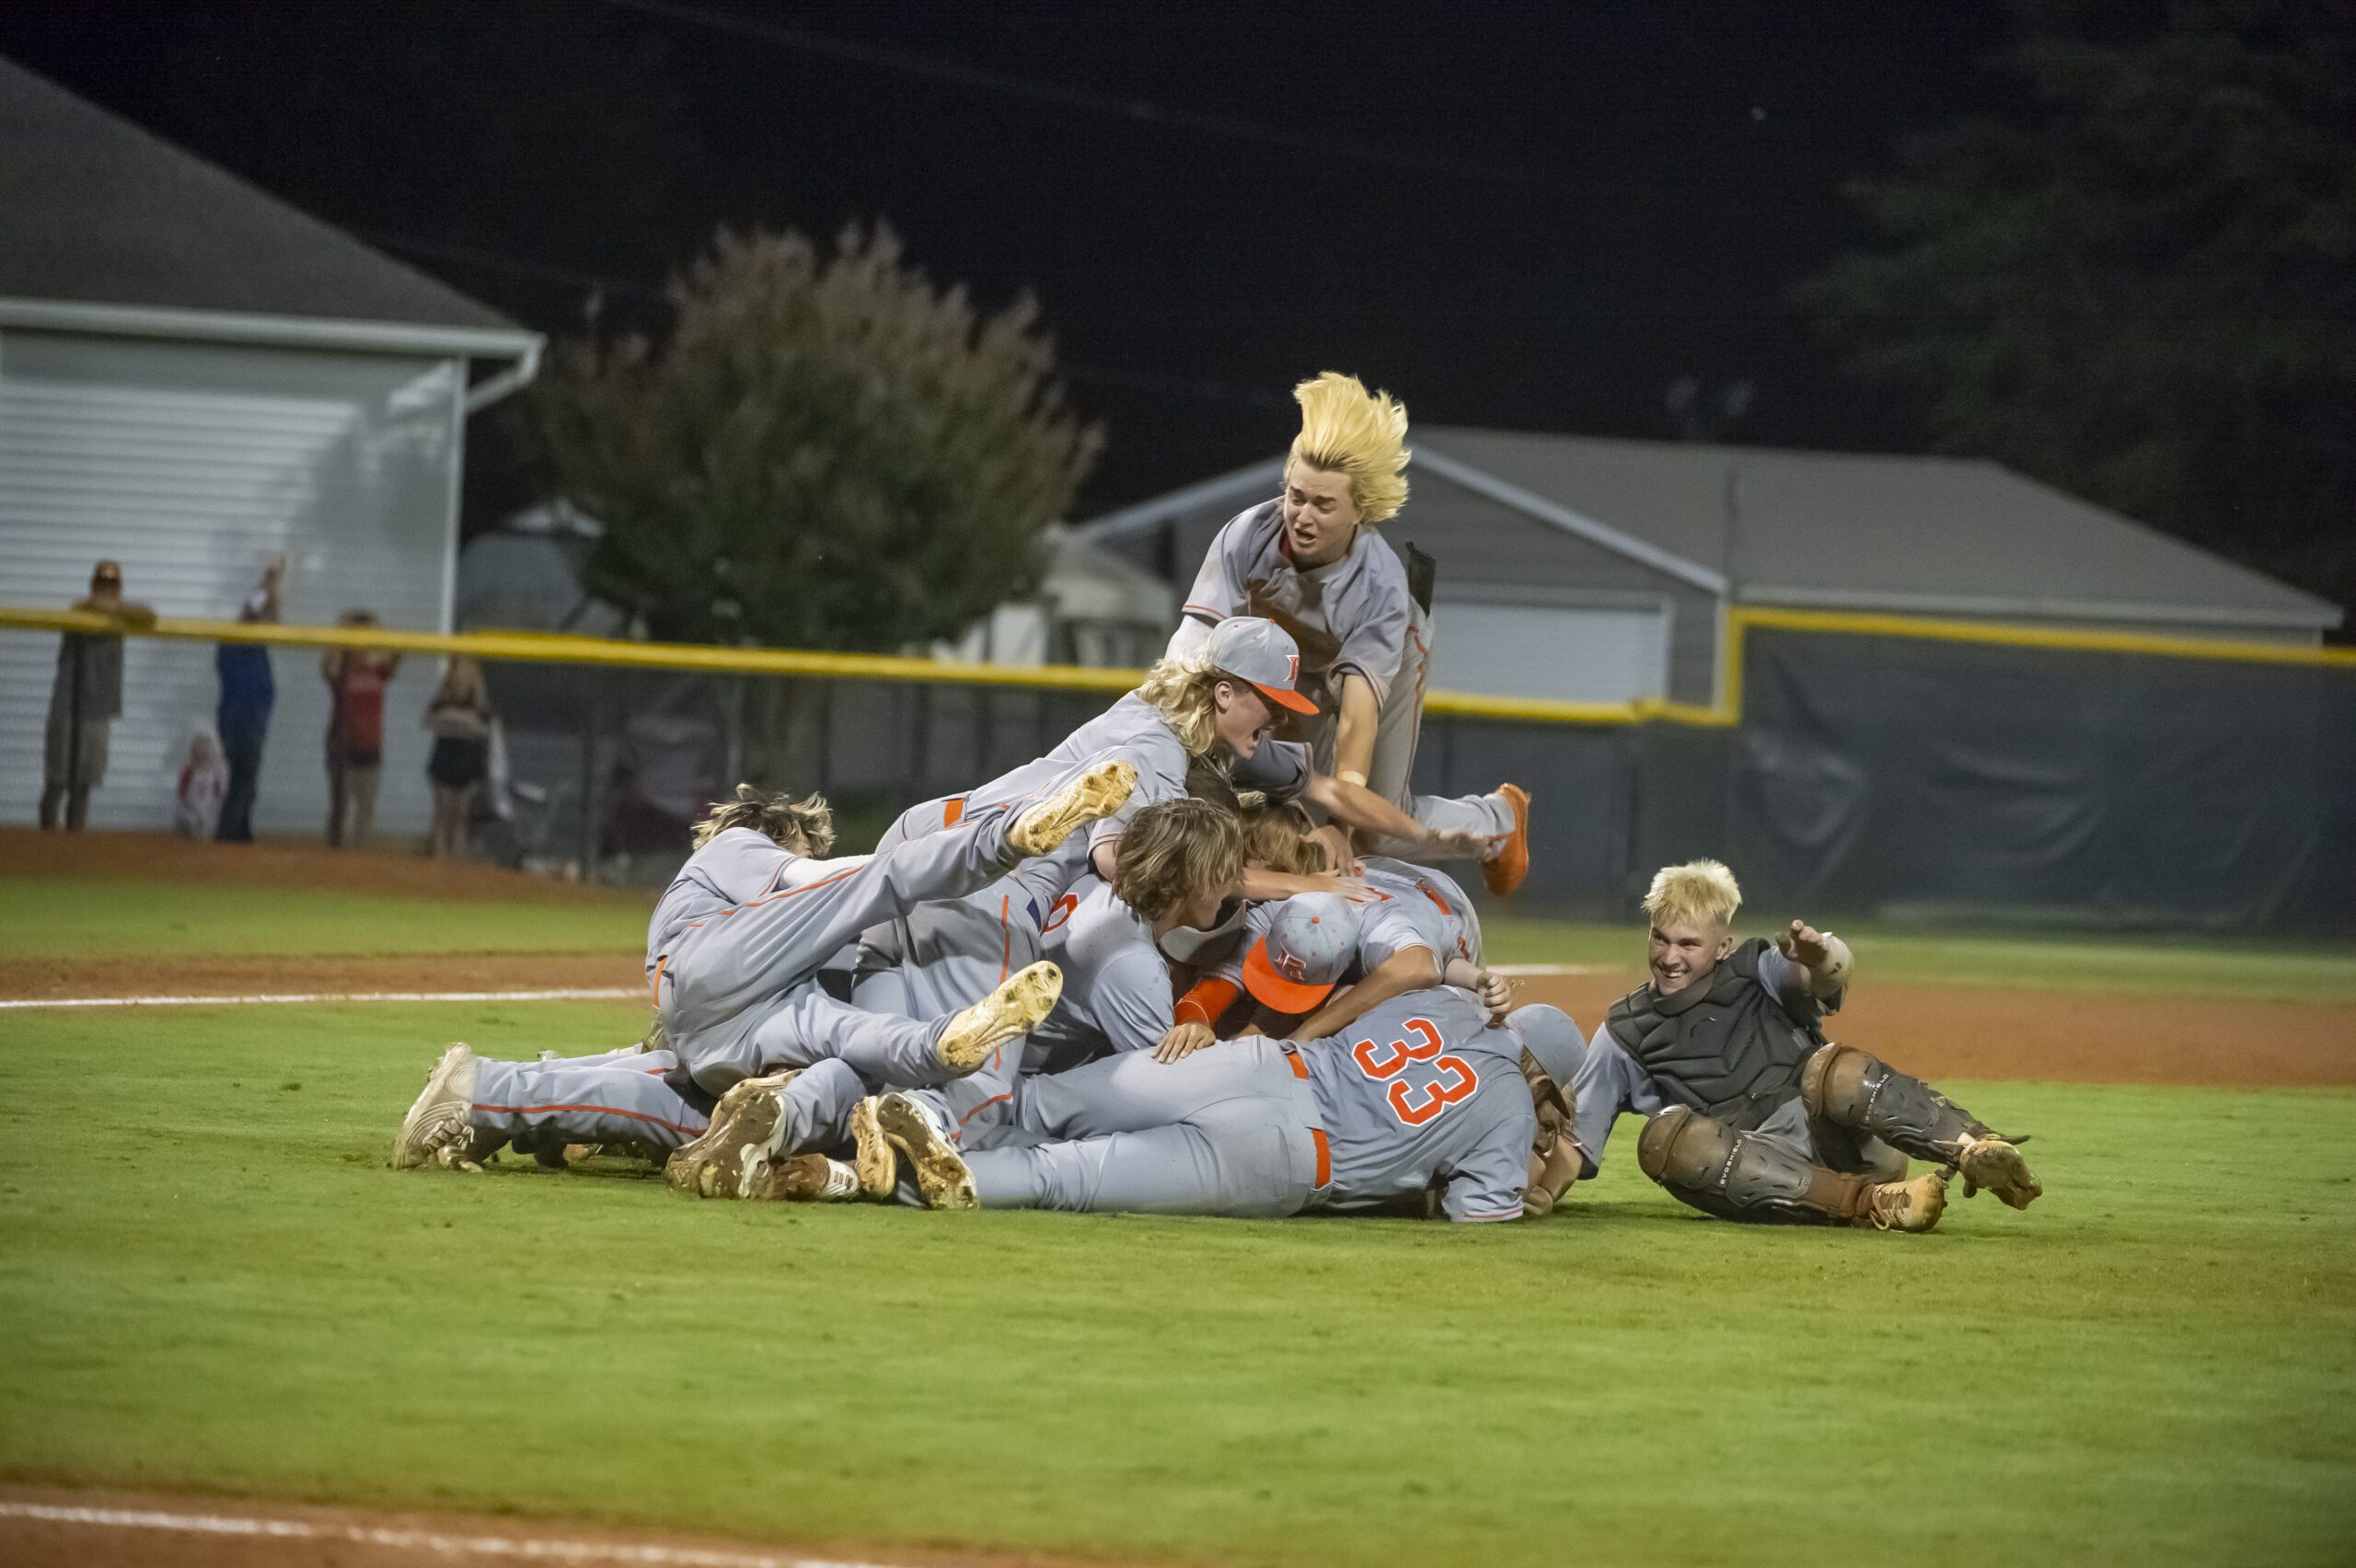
(1199, 959)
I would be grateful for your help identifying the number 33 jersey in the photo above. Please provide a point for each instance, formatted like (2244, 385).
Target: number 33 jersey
(1422, 1091)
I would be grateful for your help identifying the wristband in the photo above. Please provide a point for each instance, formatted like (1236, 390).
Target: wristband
(1352, 775)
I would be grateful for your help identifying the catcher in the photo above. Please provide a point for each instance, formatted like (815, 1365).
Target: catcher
(1754, 1115)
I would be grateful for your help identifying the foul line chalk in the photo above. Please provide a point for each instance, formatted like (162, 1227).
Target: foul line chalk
(1513, 970)
(418, 1540)
(584, 994)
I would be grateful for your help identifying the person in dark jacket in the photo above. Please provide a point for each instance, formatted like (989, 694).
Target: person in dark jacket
(248, 694)
(84, 701)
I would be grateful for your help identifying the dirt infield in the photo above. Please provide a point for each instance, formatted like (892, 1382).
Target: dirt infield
(249, 974)
(99, 1529)
(1943, 1032)
(25, 851)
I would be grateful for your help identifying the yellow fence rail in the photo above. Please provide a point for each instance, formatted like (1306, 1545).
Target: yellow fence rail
(559, 649)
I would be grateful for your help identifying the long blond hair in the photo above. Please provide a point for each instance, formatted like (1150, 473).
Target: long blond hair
(1180, 690)
(805, 826)
(1344, 428)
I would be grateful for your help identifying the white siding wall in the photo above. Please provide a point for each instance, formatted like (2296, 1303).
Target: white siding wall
(1565, 652)
(193, 464)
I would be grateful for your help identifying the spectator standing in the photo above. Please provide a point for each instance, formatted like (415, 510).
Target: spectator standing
(248, 694)
(356, 679)
(459, 719)
(85, 700)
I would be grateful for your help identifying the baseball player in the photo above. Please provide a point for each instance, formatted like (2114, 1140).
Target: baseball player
(473, 1106)
(1754, 1115)
(740, 934)
(1219, 701)
(737, 936)
(1311, 561)
(1423, 1096)
(1420, 930)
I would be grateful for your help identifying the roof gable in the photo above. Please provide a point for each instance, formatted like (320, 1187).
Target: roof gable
(1932, 534)
(127, 219)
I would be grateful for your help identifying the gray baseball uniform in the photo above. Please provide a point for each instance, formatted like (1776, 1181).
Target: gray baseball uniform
(1352, 618)
(1419, 908)
(1129, 731)
(1118, 993)
(621, 1096)
(1419, 1091)
(746, 926)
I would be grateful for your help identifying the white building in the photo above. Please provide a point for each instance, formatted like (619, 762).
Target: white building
(195, 377)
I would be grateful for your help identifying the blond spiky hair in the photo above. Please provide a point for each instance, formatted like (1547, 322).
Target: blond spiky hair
(1347, 430)
(1698, 890)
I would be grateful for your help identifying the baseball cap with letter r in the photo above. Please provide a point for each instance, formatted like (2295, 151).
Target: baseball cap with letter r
(1264, 654)
(1308, 948)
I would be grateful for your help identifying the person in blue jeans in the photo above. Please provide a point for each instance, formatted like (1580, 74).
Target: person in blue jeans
(248, 694)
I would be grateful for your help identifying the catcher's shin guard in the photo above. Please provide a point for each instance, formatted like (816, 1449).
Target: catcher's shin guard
(1855, 1089)
(1743, 1176)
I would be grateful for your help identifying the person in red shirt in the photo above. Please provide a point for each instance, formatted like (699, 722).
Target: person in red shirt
(356, 679)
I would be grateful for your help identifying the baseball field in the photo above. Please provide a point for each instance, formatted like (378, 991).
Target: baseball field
(218, 1305)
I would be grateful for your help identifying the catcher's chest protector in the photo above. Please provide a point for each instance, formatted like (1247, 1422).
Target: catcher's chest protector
(1727, 1048)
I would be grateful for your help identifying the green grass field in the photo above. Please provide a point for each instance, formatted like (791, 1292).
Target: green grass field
(210, 1282)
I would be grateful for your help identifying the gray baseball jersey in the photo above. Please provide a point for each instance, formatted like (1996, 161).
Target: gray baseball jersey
(1419, 908)
(1254, 1127)
(1354, 617)
(1421, 1089)
(1118, 992)
(1349, 618)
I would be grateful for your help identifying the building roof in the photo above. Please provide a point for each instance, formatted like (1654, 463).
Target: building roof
(1924, 535)
(104, 217)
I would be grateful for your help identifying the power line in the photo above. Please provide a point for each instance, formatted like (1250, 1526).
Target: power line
(1138, 110)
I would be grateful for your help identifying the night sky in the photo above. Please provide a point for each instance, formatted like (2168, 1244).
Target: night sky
(1522, 216)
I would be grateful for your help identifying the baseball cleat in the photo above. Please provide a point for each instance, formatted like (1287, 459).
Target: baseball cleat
(1016, 1008)
(1048, 821)
(1912, 1206)
(1501, 872)
(941, 1171)
(807, 1178)
(877, 1164)
(1997, 1165)
(438, 1130)
(733, 1153)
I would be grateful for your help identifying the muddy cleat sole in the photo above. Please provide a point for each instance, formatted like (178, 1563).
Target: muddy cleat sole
(807, 1178)
(877, 1165)
(1996, 1165)
(733, 1153)
(1047, 823)
(436, 1131)
(1911, 1207)
(1503, 872)
(941, 1171)
(1021, 1002)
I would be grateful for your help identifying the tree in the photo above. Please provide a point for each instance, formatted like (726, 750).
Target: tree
(2143, 287)
(825, 451)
